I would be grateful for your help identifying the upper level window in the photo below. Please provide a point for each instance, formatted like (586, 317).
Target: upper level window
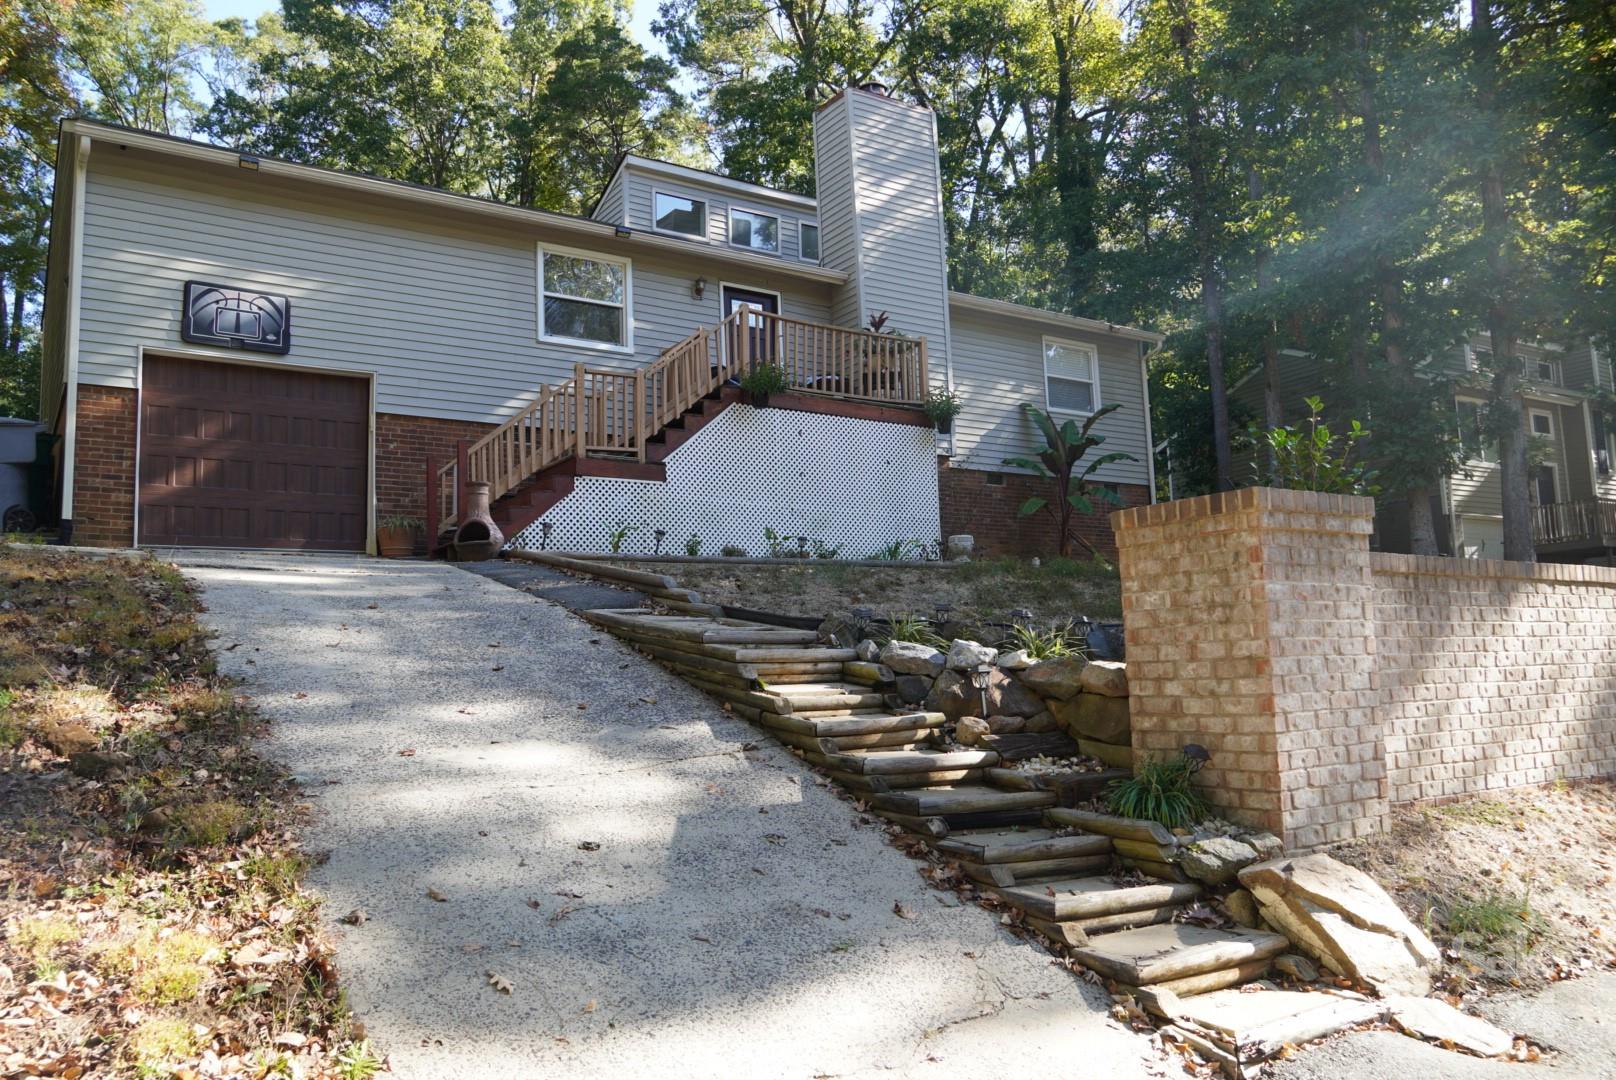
(758, 232)
(1071, 376)
(675, 213)
(1548, 371)
(1473, 432)
(808, 241)
(583, 298)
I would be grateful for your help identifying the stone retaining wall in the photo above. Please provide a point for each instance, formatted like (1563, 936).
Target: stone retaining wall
(1330, 683)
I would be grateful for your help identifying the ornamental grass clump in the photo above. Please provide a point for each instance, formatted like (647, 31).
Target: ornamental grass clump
(1159, 790)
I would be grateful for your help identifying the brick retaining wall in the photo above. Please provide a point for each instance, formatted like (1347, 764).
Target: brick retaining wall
(1330, 683)
(985, 504)
(402, 446)
(104, 467)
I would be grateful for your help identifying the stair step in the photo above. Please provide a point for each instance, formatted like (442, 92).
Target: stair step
(701, 630)
(866, 723)
(1008, 875)
(1249, 1026)
(891, 762)
(911, 737)
(1168, 951)
(1076, 932)
(964, 799)
(1087, 898)
(811, 697)
(1019, 845)
(896, 782)
(1070, 787)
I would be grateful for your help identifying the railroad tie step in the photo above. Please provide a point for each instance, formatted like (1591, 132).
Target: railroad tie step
(1010, 874)
(1087, 898)
(989, 846)
(882, 762)
(1169, 952)
(968, 801)
(844, 724)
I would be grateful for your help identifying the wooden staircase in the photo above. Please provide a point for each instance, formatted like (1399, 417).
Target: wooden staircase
(1006, 832)
(624, 423)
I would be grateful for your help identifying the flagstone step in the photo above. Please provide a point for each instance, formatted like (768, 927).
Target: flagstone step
(1158, 954)
(1242, 1028)
(1086, 898)
(1019, 845)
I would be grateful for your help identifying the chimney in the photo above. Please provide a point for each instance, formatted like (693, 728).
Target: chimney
(879, 185)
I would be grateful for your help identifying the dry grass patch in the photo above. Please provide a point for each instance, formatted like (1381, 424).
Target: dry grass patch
(1519, 888)
(145, 850)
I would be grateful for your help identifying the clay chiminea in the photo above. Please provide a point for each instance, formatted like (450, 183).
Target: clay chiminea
(478, 537)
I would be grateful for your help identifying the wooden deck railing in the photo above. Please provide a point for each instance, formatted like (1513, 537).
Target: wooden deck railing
(613, 412)
(1590, 521)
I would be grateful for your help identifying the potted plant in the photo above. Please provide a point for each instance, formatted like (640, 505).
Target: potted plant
(764, 378)
(395, 536)
(941, 407)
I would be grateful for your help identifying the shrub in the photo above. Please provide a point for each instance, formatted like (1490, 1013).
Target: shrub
(1065, 446)
(765, 378)
(1160, 790)
(910, 628)
(1048, 644)
(1313, 458)
(942, 406)
(731, 551)
(693, 546)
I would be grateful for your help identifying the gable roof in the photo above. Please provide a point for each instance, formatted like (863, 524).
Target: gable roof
(658, 167)
(970, 302)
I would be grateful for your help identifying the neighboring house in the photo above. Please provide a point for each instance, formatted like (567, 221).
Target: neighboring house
(245, 352)
(1572, 491)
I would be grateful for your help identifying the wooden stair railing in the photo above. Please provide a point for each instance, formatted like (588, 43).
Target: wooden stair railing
(607, 412)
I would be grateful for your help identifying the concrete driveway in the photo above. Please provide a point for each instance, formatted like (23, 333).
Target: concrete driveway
(666, 892)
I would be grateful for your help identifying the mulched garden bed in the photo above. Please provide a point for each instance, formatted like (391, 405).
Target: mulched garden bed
(153, 920)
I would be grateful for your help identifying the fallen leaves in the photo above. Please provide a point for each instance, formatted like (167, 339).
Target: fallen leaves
(433, 894)
(588, 845)
(356, 917)
(902, 910)
(499, 983)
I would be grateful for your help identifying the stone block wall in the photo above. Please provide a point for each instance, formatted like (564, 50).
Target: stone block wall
(1330, 683)
(1493, 675)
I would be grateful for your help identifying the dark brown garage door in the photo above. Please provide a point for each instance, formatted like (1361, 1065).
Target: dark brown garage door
(238, 456)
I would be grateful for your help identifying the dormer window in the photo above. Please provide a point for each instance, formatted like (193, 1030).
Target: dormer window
(808, 242)
(678, 214)
(754, 231)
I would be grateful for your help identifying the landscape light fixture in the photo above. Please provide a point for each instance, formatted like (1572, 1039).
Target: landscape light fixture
(1198, 755)
(660, 535)
(1021, 615)
(979, 679)
(943, 609)
(544, 535)
(802, 545)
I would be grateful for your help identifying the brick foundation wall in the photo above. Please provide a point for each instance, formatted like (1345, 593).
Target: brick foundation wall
(971, 502)
(104, 467)
(1330, 683)
(402, 446)
(1493, 674)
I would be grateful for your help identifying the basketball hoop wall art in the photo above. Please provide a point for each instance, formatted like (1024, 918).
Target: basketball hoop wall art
(236, 318)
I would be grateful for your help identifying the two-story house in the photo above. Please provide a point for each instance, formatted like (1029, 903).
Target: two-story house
(1572, 491)
(254, 353)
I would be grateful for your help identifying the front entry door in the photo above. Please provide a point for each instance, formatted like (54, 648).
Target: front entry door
(762, 341)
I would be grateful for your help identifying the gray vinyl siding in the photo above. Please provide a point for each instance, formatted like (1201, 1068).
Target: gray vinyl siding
(1478, 490)
(610, 207)
(902, 269)
(53, 328)
(999, 363)
(834, 180)
(640, 188)
(443, 309)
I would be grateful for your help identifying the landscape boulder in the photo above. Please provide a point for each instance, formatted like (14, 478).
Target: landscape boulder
(1061, 678)
(910, 658)
(966, 655)
(1042, 723)
(1016, 660)
(1430, 1018)
(861, 671)
(1338, 915)
(868, 651)
(1240, 907)
(1216, 860)
(1090, 716)
(971, 730)
(1109, 678)
(1006, 695)
(1007, 725)
(953, 696)
(911, 689)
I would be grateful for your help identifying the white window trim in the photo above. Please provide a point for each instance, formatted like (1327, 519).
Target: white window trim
(705, 236)
(627, 347)
(779, 240)
(1094, 372)
(1531, 429)
(814, 225)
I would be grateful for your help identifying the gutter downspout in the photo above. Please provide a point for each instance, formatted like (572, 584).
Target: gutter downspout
(70, 375)
(1144, 395)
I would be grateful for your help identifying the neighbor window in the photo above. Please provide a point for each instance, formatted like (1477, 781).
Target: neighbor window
(675, 213)
(808, 241)
(1473, 432)
(758, 232)
(583, 298)
(1543, 424)
(1071, 380)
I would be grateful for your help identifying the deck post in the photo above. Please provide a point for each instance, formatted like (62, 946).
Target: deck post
(578, 410)
(924, 386)
(641, 424)
(462, 476)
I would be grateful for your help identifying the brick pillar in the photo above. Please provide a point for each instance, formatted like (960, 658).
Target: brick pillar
(1250, 631)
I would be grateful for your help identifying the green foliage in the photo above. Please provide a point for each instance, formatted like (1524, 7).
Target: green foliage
(779, 546)
(1495, 919)
(620, 534)
(1065, 446)
(693, 546)
(732, 551)
(822, 550)
(1050, 644)
(907, 627)
(1160, 790)
(359, 1061)
(765, 377)
(399, 521)
(942, 405)
(1314, 458)
(899, 551)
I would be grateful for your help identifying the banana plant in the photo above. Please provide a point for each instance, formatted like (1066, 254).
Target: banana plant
(1065, 446)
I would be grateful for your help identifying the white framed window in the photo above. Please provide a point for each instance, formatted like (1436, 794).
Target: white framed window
(679, 214)
(1542, 423)
(585, 298)
(754, 231)
(808, 241)
(1071, 376)
(1473, 431)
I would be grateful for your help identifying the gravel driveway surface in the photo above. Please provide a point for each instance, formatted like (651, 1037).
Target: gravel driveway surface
(662, 899)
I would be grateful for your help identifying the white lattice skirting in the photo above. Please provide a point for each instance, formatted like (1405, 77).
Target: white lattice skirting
(856, 484)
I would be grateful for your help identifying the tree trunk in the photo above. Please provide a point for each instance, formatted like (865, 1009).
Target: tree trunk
(1273, 407)
(1505, 403)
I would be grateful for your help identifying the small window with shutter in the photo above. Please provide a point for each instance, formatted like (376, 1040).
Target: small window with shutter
(1071, 376)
